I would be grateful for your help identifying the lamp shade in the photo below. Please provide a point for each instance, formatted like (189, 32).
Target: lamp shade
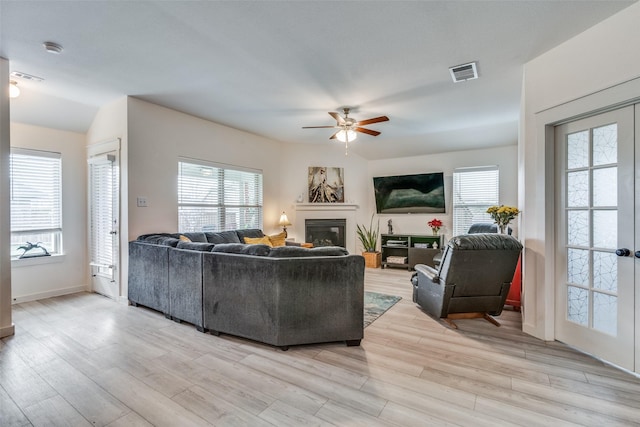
(346, 135)
(284, 221)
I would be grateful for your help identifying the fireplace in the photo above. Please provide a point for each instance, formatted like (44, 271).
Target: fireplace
(325, 232)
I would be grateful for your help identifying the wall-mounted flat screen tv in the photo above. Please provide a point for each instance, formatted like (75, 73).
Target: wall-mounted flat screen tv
(420, 193)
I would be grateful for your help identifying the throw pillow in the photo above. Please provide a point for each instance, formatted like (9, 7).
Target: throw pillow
(184, 238)
(278, 239)
(258, 241)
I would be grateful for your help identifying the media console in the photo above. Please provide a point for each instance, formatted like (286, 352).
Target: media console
(407, 250)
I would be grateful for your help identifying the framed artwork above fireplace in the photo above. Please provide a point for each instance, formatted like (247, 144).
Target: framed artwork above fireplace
(325, 184)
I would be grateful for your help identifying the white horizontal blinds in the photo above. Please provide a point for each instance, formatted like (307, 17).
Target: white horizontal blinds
(217, 198)
(102, 173)
(474, 190)
(36, 199)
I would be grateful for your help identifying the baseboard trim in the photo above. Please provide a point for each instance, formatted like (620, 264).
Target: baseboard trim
(49, 294)
(7, 331)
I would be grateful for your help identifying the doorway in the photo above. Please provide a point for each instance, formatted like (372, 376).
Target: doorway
(596, 235)
(104, 223)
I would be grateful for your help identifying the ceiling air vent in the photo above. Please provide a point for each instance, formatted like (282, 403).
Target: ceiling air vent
(464, 72)
(26, 76)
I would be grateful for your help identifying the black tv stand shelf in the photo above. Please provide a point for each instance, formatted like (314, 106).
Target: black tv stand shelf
(407, 250)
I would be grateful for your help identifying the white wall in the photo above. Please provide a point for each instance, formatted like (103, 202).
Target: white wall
(296, 160)
(158, 136)
(45, 277)
(600, 58)
(359, 175)
(504, 157)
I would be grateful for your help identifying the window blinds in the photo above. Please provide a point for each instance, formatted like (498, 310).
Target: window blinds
(215, 198)
(36, 199)
(474, 190)
(103, 193)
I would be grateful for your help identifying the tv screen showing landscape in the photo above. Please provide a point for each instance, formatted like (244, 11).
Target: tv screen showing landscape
(420, 193)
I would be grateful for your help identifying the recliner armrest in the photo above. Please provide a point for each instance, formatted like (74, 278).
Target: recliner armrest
(430, 272)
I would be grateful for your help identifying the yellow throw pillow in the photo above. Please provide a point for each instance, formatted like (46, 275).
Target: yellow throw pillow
(278, 239)
(184, 238)
(258, 241)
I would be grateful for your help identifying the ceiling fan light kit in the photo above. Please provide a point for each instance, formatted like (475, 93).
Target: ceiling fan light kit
(348, 127)
(345, 135)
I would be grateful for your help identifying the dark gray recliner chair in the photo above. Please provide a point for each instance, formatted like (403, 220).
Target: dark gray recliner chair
(473, 279)
(486, 227)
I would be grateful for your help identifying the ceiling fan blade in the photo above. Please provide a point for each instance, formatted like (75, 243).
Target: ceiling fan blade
(338, 118)
(368, 131)
(374, 120)
(318, 127)
(334, 135)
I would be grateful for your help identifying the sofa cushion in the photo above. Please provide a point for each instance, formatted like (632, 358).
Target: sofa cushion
(223, 237)
(161, 239)
(296, 251)
(249, 232)
(195, 236)
(242, 248)
(195, 246)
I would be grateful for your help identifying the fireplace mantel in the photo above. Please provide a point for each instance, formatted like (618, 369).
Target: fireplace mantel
(326, 206)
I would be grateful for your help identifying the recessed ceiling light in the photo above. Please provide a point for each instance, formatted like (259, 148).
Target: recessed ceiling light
(52, 47)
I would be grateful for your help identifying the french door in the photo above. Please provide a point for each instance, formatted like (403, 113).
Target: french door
(103, 223)
(596, 288)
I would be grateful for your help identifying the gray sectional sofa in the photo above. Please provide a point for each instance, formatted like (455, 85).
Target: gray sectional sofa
(281, 296)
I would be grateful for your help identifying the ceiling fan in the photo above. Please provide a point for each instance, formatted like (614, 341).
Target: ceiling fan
(347, 126)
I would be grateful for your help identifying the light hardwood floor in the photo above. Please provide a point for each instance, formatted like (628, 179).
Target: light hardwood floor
(84, 360)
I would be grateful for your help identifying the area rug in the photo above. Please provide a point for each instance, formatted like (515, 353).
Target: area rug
(376, 304)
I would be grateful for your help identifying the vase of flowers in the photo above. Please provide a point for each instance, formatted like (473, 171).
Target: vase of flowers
(502, 216)
(435, 225)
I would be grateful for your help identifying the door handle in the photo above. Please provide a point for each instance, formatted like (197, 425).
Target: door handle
(623, 252)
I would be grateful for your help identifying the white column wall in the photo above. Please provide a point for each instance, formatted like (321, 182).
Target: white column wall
(599, 59)
(6, 324)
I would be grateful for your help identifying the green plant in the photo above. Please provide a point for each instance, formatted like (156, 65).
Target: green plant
(368, 236)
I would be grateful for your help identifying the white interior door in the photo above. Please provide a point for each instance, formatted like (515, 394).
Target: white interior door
(595, 285)
(103, 218)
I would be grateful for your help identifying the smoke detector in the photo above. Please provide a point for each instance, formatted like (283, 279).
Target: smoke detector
(464, 72)
(52, 47)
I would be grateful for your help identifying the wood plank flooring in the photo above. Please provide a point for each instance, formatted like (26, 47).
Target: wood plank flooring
(83, 359)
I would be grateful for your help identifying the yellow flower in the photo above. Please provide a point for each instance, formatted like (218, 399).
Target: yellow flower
(503, 215)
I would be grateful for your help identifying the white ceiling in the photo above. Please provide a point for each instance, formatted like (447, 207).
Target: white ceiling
(271, 67)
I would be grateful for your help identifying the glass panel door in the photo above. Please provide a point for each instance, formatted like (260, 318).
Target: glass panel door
(595, 289)
(103, 206)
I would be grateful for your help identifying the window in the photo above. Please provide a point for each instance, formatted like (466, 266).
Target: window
(216, 198)
(36, 200)
(474, 190)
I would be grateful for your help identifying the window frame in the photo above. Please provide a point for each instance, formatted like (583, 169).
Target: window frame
(223, 181)
(53, 233)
